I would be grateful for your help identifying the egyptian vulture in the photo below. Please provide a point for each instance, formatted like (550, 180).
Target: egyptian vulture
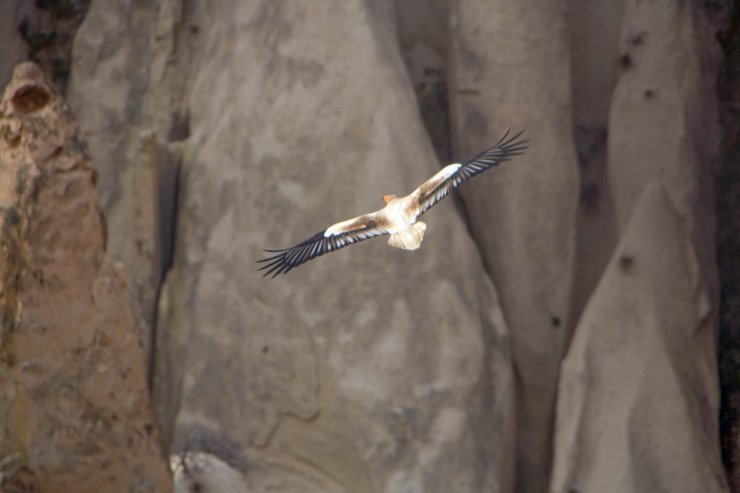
(399, 218)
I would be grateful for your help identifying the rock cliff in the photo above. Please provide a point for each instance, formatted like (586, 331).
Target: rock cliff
(75, 414)
(557, 324)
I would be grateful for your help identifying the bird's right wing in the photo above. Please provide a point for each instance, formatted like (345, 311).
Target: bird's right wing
(333, 238)
(451, 176)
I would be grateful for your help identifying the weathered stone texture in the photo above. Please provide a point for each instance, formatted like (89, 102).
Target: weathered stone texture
(74, 410)
(523, 216)
(324, 380)
(642, 365)
(379, 370)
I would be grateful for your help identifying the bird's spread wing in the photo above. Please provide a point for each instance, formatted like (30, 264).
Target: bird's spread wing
(333, 238)
(438, 186)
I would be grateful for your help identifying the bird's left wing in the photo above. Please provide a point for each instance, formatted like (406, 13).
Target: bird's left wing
(451, 176)
(333, 238)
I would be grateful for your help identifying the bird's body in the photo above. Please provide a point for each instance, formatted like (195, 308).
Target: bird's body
(399, 218)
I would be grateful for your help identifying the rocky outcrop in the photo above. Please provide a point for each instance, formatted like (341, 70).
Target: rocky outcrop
(728, 243)
(647, 115)
(40, 31)
(372, 370)
(523, 217)
(198, 472)
(379, 370)
(641, 366)
(14, 49)
(110, 91)
(74, 409)
(668, 72)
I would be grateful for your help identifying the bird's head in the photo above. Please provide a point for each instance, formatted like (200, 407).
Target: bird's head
(388, 198)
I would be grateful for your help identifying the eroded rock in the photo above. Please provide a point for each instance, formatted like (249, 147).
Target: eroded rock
(75, 415)
(642, 365)
(522, 215)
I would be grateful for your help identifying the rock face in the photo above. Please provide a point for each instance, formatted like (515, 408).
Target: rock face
(667, 83)
(137, 175)
(523, 217)
(14, 50)
(254, 124)
(198, 472)
(344, 377)
(74, 410)
(641, 366)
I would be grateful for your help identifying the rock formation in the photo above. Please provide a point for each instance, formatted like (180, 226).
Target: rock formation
(642, 365)
(221, 128)
(526, 246)
(75, 414)
(275, 373)
(199, 472)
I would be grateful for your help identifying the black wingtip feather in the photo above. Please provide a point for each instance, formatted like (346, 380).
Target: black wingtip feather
(317, 245)
(507, 147)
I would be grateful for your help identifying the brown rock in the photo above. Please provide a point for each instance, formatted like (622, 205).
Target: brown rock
(638, 399)
(74, 409)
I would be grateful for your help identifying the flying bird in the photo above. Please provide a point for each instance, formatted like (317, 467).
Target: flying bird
(399, 218)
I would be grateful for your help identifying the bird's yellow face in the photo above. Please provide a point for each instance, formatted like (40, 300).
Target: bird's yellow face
(388, 198)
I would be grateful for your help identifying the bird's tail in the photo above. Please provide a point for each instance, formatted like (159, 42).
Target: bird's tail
(409, 238)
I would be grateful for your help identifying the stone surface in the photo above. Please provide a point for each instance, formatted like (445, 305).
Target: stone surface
(663, 118)
(199, 472)
(14, 49)
(411, 372)
(114, 95)
(728, 243)
(373, 369)
(595, 47)
(341, 376)
(74, 410)
(40, 31)
(523, 216)
(642, 365)
(424, 38)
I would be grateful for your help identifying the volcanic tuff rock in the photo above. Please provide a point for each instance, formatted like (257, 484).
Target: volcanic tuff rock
(374, 369)
(199, 472)
(368, 370)
(74, 409)
(523, 216)
(641, 366)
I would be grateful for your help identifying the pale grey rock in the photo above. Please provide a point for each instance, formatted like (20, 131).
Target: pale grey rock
(14, 49)
(663, 118)
(595, 48)
(511, 70)
(200, 472)
(117, 93)
(424, 38)
(281, 147)
(368, 370)
(638, 397)
(374, 369)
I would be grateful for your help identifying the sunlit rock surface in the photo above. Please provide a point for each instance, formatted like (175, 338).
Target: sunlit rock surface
(368, 370)
(523, 215)
(75, 414)
(642, 366)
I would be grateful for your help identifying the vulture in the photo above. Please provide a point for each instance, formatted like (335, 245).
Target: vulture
(399, 218)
